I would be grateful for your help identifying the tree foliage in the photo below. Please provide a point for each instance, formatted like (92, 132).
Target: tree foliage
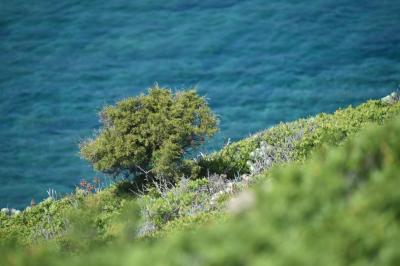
(150, 133)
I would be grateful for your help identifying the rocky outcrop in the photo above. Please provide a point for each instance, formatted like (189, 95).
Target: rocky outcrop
(392, 98)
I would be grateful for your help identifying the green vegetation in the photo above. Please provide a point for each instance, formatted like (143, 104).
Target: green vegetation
(294, 141)
(150, 134)
(51, 218)
(323, 191)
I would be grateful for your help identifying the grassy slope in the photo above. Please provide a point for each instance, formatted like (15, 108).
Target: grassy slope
(104, 215)
(300, 137)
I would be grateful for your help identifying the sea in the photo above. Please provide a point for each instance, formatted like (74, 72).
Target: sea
(258, 63)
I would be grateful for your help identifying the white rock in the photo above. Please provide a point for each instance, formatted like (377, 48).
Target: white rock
(392, 98)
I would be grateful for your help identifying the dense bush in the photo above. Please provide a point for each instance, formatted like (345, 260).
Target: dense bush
(82, 219)
(162, 205)
(55, 219)
(184, 201)
(294, 141)
(150, 134)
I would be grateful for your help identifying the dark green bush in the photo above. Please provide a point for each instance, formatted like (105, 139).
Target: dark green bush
(150, 134)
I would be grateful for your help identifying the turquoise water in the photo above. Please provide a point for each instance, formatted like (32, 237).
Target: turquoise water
(258, 62)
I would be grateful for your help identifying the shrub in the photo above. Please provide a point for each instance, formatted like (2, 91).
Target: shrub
(150, 134)
(295, 141)
(188, 198)
(55, 219)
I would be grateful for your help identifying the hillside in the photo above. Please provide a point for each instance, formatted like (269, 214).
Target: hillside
(320, 190)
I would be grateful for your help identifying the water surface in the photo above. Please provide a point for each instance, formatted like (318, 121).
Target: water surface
(258, 62)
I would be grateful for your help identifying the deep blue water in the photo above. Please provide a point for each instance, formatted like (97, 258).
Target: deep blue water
(259, 62)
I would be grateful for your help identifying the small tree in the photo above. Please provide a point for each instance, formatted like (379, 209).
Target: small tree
(150, 133)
